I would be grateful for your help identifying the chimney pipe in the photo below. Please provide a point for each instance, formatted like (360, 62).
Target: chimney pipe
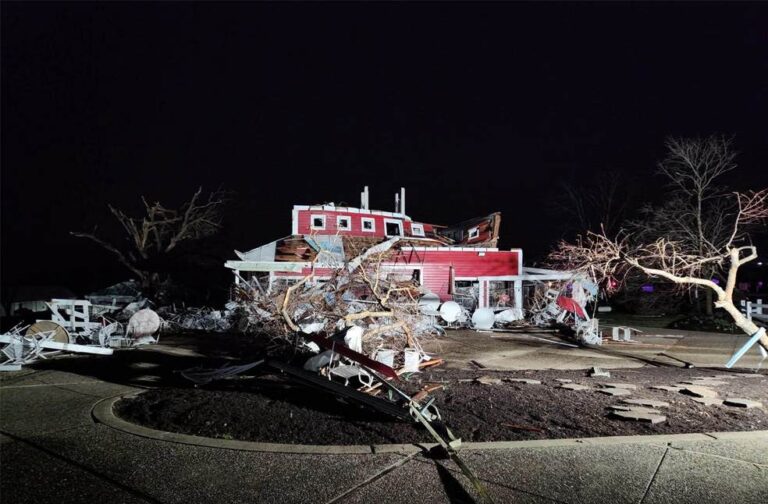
(402, 200)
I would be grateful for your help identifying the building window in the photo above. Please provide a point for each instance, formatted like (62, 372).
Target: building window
(343, 223)
(474, 233)
(317, 222)
(393, 227)
(417, 229)
(368, 224)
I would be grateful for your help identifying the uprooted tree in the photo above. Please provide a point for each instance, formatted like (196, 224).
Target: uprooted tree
(160, 232)
(612, 258)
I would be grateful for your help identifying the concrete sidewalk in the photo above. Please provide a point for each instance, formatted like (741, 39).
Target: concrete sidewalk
(51, 450)
(542, 350)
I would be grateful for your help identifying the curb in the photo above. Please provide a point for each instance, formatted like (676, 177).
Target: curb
(103, 413)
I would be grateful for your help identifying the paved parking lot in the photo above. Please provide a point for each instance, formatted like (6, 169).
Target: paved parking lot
(52, 449)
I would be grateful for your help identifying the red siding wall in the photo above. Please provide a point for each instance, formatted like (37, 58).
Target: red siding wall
(436, 266)
(356, 221)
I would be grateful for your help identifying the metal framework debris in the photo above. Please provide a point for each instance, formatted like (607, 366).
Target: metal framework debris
(77, 325)
(21, 348)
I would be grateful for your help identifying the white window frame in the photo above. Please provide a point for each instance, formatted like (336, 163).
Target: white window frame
(312, 222)
(373, 224)
(417, 229)
(340, 218)
(395, 268)
(474, 233)
(393, 221)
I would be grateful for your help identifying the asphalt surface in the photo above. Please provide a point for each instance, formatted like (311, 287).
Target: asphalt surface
(52, 450)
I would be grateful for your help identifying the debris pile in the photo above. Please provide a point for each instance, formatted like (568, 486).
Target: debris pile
(199, 319)
(565, 302)
(118, 295)
(25, 344)
(78, 325)
(383, 307)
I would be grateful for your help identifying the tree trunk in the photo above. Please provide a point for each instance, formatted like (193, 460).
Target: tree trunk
(741, 320)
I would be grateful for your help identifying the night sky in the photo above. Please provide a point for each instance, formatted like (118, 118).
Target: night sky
(473, 108)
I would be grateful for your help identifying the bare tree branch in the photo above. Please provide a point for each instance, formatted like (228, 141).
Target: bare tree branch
(612, 258)
(162, 229)
(120, 256)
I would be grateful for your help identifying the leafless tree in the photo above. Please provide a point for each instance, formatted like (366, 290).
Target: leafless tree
(693, 167)
(697, 213)
(600, 202)
(613, 258)
(161, 230)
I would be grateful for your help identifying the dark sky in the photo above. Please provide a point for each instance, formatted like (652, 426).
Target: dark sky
(472, 107)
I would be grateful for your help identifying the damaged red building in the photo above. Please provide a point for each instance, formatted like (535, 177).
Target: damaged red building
(459, 262)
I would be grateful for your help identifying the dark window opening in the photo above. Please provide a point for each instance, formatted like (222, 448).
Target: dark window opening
(393, 229)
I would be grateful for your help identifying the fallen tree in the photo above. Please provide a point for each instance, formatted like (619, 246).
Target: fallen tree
(610, 259)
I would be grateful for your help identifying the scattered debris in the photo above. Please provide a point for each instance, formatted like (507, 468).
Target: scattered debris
(118, 295)
(599, 373)
(622, 333)
(23, 349)
(200, 319)
(561, 297)
(527, 381)
(574, 386)
(705, 383)
(626, 386)
(640, 416)
(614, 391)
(564, 380)
(488, 380)
(742, 403)
(483, 319)
(77, 325)
(144, 322)
(201, 376)
(699, 391)
(708, 401)
(652, 403)
(666, 388)
(637, 409)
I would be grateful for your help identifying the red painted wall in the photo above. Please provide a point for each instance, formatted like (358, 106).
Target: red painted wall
(305, 216)
(436, 266)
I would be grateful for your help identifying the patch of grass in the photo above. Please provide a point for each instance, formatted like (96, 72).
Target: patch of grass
(708, 323)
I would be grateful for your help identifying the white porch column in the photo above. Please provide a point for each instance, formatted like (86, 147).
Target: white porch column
(482, 298)
(518, 292)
